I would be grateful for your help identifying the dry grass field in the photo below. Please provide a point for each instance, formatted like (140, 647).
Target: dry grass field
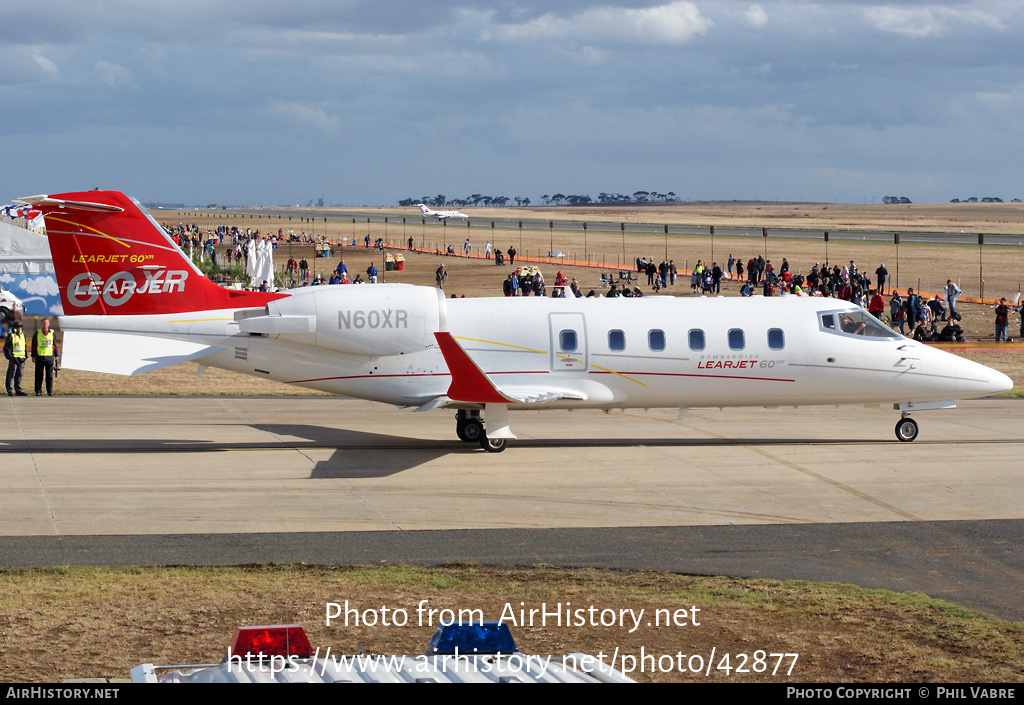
(1002, 218)
(83, 622)
(924, 267)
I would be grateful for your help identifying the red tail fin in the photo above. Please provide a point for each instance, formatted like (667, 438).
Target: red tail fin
(112, 258)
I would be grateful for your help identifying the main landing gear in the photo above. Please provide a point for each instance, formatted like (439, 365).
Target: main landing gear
(906, 429)
(470, 429)
(469, 426)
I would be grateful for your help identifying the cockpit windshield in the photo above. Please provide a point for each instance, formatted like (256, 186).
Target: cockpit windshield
(855, 322)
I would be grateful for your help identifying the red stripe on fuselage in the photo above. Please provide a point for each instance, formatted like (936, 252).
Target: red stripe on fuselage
(539, 372)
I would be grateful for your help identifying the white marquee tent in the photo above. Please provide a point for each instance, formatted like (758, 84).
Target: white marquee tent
(26, 269)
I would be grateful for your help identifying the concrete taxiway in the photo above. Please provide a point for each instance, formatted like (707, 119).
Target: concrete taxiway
(815, 493)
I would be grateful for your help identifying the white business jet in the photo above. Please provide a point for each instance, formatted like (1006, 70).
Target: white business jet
(441, 215)
(133, 302)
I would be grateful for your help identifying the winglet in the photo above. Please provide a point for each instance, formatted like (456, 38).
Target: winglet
(469, 382)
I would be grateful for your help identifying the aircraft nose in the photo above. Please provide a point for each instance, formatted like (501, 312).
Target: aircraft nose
(977, 380)
(999, 382)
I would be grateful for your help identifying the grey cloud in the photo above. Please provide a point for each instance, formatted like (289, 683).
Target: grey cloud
(711, 100)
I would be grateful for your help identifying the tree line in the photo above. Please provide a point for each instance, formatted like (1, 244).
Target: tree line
(983, 199)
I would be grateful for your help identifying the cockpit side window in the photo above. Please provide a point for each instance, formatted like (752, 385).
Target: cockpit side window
(857, 323)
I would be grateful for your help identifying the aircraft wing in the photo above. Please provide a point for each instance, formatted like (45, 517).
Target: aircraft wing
(471, 384)
(93, 351)
(533, 395)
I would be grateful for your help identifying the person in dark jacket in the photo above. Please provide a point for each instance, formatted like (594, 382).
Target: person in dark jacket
(15, 350)
(1002, 321)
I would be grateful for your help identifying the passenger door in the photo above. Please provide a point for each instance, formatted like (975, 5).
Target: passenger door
(568, 342)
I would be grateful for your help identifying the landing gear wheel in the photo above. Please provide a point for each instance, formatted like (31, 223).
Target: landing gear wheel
(493, 445)
(906, 429)
(471, 431)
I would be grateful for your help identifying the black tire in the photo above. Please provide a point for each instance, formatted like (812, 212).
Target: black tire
(493, 445)
(471, 431)
(5, 314)
(906, 430)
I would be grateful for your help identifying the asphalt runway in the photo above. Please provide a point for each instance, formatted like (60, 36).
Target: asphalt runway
(811, 493)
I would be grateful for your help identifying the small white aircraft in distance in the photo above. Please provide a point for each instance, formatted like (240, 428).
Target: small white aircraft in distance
(134, 302)
(441, 215)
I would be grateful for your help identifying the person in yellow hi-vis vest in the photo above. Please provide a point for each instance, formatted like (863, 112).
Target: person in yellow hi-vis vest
(43, 350)
(15, 350)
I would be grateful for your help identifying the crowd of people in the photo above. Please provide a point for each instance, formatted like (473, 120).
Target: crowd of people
(528, 281)
(924, 318)
(933, 318)
(928, 319)
(912, 315)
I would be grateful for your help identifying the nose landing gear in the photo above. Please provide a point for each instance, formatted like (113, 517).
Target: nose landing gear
(906, 429)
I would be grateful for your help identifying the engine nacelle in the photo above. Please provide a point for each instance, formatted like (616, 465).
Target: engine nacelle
(371, 319)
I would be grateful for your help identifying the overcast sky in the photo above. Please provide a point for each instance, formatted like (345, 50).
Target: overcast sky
(258, 102)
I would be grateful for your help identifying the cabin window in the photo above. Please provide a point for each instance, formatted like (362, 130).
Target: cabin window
(616, 340)
(656, 339)
(697, 341)
(567, 340)
(776, 339)
(736, 339)
(828, 321)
